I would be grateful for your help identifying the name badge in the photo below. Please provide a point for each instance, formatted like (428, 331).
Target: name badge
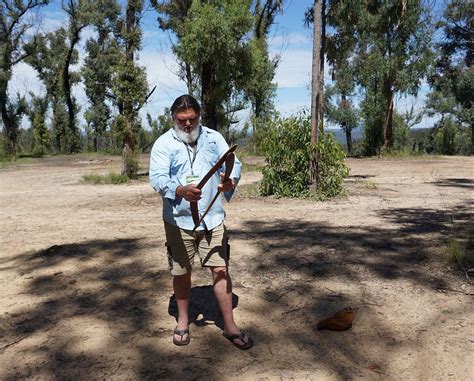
(192, 180)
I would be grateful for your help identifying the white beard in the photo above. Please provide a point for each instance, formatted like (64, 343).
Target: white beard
(187, 137)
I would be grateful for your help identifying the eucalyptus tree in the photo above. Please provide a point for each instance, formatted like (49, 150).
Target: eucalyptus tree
(317, 80)
(214, 50)
(14, 25)
(453, 80)
(38, 106)
(80, 13)
(260, 88)
(102, 55)
(47, 58)
(340, 44)
(393, 56)
(171, 16)
(129, 84)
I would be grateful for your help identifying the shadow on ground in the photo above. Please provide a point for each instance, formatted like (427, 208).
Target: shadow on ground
(203, 307)
(110, 285)
(456, 182)
(299, 259)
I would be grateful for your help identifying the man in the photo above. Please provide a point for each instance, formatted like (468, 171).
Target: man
(179, 159)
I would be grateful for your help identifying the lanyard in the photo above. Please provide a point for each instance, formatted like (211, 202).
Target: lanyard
(191, 162)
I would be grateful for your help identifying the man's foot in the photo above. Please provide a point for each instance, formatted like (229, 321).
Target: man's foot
(240, 340)
(181, 337)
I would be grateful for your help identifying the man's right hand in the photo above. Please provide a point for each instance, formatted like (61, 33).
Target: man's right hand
(189, 192)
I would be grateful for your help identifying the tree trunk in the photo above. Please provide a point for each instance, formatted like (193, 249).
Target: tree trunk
(73, 143)
(388, 130)
(129, 159)
(189, 78)
(8, 126)
(316, 93)
(348, 138)
(321, 61)
(472, 138)
(209, 107)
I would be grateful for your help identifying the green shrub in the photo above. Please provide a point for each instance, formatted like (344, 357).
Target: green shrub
(444, 137)
(111, 178)
(287, 149)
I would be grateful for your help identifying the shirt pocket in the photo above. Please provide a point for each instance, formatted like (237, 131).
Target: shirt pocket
(210, 155)
(179, 167)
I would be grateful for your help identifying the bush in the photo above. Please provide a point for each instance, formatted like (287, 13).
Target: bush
(331, 167)
(111, 178)
(287, 150)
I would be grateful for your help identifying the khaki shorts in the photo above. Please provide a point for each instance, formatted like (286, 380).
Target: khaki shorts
(211, 247)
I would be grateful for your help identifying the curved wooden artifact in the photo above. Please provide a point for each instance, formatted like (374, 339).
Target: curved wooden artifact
(229, 158)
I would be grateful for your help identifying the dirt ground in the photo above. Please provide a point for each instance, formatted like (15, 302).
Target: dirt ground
(86, 294)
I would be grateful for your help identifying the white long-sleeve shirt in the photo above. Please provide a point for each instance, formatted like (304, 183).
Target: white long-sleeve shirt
(172, 161)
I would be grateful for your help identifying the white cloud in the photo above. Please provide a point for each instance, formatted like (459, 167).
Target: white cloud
(54, 21)
(24, 79)
(161, 69)
(292, 39)
(294, 69)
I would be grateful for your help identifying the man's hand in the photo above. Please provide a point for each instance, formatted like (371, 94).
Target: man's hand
(225, 186)
(189, 192)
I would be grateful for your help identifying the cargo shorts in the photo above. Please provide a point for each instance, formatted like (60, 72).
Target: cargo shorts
(183, 246)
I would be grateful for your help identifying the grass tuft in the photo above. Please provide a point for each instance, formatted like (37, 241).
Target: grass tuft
(111, 178)
(371, 184)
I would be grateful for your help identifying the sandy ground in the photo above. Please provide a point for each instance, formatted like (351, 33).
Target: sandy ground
(86, 294)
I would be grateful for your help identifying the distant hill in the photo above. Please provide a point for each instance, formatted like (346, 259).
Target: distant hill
(340, 135)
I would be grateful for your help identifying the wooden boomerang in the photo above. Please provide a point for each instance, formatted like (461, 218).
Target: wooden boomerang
(194, 205)
(229, 164)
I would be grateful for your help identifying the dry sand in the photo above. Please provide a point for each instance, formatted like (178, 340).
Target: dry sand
(86, 294)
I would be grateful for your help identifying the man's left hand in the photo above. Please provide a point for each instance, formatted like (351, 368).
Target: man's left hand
(225, 186)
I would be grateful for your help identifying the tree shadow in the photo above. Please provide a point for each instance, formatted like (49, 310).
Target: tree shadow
(298, 261)
(107, 285)
(203, 307)
(456, 182)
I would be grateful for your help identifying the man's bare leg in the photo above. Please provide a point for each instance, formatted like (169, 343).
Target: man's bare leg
(223, 291)
(182, 290)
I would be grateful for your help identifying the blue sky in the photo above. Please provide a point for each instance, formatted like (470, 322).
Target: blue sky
(289, 38)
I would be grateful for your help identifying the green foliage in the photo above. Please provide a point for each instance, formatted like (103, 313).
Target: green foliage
(59, 126)
(117, 135)
(373, 110)
(452, 81)
(15, 24)
(401, 133)
(451, 138)
(102, 57)
(37, 115)
(213, 51)
(387, 45)
(129, 83)
(111, 178)
(130, 164)
(331, 167)
(259, 87)
(15, 109)
(288, 152)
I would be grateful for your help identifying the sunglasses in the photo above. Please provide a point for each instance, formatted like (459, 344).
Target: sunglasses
(190, 120)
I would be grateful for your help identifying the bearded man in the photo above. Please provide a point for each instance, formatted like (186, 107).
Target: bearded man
(179, 159)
